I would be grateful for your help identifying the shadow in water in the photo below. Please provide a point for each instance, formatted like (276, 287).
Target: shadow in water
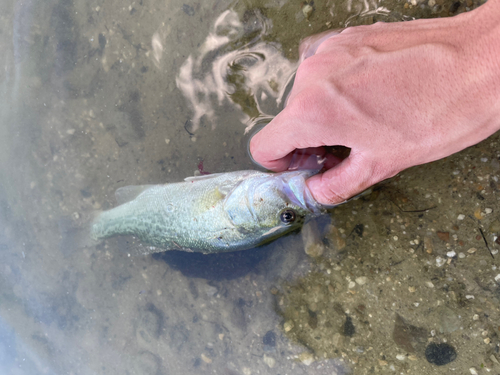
(221, 266)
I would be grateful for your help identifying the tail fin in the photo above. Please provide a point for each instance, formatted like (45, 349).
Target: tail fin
(75, 234)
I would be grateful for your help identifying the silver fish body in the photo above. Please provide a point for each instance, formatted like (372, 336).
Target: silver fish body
(213, 213)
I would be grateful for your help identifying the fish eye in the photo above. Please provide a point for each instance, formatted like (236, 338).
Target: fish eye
(288, 216)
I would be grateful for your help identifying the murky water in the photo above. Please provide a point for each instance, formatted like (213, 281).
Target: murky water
(96, 95)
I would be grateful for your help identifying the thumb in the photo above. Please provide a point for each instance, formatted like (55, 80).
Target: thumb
(349, 178)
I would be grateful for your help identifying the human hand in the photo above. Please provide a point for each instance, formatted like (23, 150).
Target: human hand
(397, 94)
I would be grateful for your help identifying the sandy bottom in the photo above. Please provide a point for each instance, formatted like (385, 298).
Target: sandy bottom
(101, 94)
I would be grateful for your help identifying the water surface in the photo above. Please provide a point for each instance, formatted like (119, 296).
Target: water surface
(102, 94)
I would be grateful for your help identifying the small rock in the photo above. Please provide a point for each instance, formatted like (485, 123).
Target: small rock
(288, 326)
(206, 359)
(307, 10)
(473, 371)
(451, 254)
(460, 217)
(428, 245)
(361, 280)
(472, 250)
(270, 361)
(401, 357)
(269, 339)
(444, 236)
(440, 354)
(429, 284)
(349, 329)
(211, 290)
(478, 214)
(306, 358)
(440, 261)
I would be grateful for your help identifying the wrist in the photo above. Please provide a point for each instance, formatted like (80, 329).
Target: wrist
(482, 46)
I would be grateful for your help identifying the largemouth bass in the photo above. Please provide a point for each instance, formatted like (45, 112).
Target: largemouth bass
(213, 213)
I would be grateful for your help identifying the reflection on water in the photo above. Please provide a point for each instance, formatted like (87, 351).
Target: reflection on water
(96, 96)
(235, 64)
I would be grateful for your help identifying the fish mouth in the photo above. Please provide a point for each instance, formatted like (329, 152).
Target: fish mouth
(296, 190)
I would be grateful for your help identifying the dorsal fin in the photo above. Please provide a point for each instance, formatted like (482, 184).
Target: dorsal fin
(127, 193)
(202, 177)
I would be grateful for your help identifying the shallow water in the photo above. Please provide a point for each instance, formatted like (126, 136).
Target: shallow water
(102, 94)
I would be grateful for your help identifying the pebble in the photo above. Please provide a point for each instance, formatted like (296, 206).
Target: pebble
(461, 217)
(444, 236)
(270, 361)
(206, 359)
(475, 317)
(440, 354)
(440, 261)
(401, 357)
(451, 254)
(269, 339)
(210, 290)
(307, 10)
(288, 326)
(473, 371)
(428, 245)
(361, 280)
(348, 330)
(472, 250)
(488, 210)
(306, 358)
(461, 255)
(497, 278)
(429, 284)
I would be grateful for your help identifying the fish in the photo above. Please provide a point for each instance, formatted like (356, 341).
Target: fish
(213, 213)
